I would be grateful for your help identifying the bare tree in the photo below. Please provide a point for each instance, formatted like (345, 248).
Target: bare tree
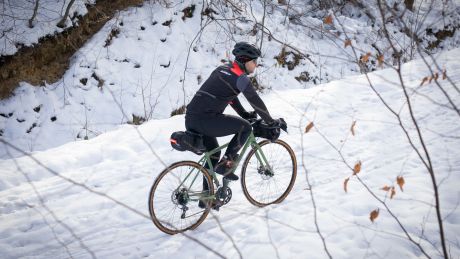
(424, 154)
(409, 4)
(61, 23)
(31, 20)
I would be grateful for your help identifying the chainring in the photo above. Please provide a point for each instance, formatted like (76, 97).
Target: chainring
(224, 195)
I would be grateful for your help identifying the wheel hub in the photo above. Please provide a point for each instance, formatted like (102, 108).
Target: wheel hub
(180, 197)
(265, 172)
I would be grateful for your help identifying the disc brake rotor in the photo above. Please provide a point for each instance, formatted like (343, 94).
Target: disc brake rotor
(180, 197)
(265, 172)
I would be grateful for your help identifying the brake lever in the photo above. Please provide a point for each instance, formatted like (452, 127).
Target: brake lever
(252, 120)
(283, 125)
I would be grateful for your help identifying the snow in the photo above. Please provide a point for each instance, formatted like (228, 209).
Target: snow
(151, 69)
(91, 199)
(49, 217)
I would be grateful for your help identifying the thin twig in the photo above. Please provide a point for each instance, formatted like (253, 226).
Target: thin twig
(101, 194)
(43, 204)
(227, 234)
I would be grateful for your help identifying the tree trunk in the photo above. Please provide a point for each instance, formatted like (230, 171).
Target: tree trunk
(31, 25)
(61, 23)
(409, 4)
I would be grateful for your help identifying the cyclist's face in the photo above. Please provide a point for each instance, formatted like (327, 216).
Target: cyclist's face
(251, 66)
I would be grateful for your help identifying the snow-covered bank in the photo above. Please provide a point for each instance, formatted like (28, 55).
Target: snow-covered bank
(15, 17)
(150, 60)
(49, 217)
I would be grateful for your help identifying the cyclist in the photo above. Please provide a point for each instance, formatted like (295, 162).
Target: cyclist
(205, 111)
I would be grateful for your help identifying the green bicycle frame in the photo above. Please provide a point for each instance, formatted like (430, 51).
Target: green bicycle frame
(207, 159)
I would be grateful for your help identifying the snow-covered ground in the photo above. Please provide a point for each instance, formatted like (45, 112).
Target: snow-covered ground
(45, 215)
(91, 200)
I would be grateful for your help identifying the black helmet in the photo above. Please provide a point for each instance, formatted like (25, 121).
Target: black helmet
(245, 52)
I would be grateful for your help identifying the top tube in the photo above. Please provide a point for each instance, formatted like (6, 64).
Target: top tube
(250, 139)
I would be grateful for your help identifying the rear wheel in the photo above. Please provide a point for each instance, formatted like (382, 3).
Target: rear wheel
(174, 197)
(264, 184)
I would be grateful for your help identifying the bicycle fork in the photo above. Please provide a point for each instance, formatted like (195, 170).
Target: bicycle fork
(264, 167)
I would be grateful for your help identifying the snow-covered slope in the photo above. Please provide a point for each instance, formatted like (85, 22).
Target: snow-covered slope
(44, 215)
(148, 61)
(15, 19)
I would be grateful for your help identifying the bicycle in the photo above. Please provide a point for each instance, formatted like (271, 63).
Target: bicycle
(179, 186)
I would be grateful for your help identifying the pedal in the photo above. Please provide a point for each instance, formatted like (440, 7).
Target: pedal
(217, 204)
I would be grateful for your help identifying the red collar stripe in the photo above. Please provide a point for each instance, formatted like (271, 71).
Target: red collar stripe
(236, 69)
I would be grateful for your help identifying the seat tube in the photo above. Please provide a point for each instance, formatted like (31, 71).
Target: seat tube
(207, 159)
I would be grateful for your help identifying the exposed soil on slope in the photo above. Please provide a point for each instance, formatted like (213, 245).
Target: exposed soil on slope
(49, 59)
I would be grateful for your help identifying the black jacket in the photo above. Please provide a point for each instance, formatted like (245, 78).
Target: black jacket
(222, 88)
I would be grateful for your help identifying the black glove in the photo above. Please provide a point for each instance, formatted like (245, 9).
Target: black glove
(279, 123)
(249, 115)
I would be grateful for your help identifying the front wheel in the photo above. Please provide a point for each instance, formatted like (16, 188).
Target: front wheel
(175, 194)
(267, 181)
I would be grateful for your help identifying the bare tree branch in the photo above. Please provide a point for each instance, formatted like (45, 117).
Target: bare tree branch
(43, 204)
(101, 194)
(227, 234)
(310, 190)
(428, 163)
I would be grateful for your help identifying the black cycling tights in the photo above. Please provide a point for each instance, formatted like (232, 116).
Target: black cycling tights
(219, 125)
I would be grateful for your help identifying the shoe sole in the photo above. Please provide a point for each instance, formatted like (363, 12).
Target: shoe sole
(230, 179)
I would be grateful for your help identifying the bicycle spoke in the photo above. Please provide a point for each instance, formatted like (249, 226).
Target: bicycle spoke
(263, 183)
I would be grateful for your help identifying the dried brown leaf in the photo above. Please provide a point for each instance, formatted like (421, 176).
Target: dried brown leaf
(309, 126)
(365, 58)
(436, 76)
(430, 79)
(357, 168)
(347, 43)
(444, 74)
(345, 184)
(352, 128)
(386, 188)
(328, 19)
(424, 80)
(400, 181)
(393, 192)
(374, 214)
